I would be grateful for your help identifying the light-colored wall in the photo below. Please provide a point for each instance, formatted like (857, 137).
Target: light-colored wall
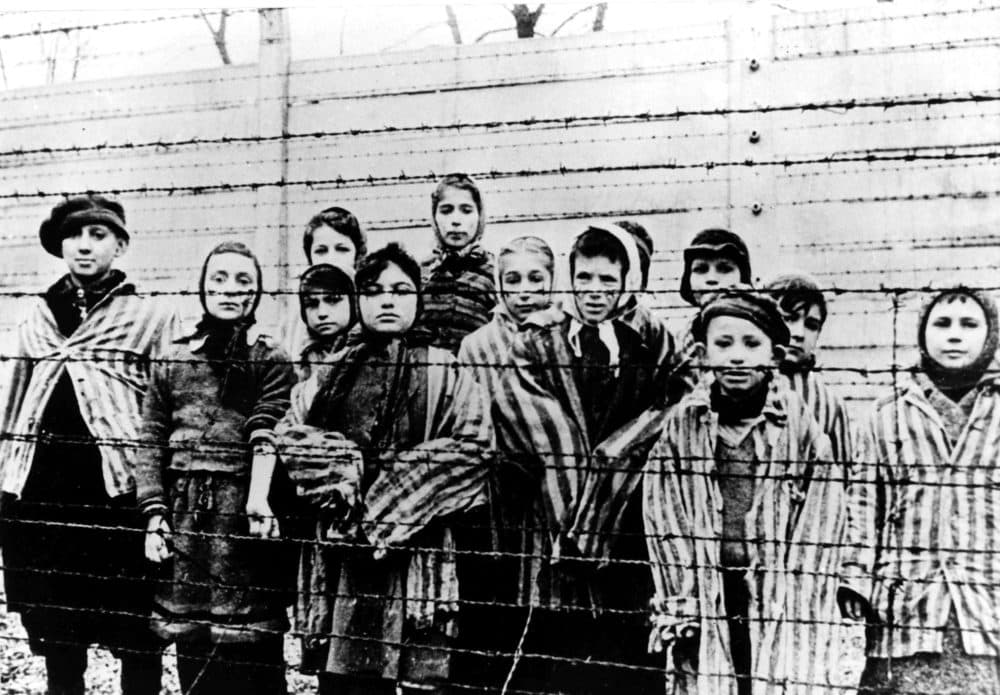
(560, 131)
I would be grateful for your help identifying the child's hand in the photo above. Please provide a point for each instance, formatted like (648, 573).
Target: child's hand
(157, 534)
(263, 524)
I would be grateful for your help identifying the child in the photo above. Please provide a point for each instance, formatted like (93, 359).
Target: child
(459, 292)
(803, 308)
(332, 236)
(416, 424)
(740, 509)
(525, 274)
(326, 305)
(205, 484)
(72, 401)
(923, 512)
(716, 259)
(578, 375)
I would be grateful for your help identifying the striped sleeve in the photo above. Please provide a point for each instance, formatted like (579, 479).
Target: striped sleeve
(670, 533)
(866, 505)
(443, 475)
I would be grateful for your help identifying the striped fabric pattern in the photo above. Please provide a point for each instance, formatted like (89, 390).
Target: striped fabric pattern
(795, 521)
(108, 358)
(459, 293)
(925, 523)
(828, 408)
(444, 474)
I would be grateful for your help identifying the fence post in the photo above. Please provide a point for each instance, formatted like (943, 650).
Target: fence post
(271, 235)
(751, 85)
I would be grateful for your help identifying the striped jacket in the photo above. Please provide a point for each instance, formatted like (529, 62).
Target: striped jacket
(459, 292)
(829, 410)
(108, 358)
(924, 527)
(792, 529)
(539, 413)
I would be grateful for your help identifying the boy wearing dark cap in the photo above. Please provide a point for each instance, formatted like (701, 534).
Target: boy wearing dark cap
(73, 569)
(742, 514)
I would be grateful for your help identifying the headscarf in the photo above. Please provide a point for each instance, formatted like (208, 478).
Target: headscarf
(462, 182)
(631, 286)
(225, 343)
(955, 383)
(524, 244)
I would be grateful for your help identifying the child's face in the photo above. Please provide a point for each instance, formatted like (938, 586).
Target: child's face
(597, 287)
(90, 252)
(457, 218)
(230, 286)
(956, 331)
(388, 305)
(330, 246)
(327, 314)
(739, 353)
(711, 274)
(804, 325)
(526, 284)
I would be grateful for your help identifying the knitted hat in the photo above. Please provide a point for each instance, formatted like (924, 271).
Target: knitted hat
(967, 375)
(324, 278)
(742, 303)
(643, 243)
(69, 216)
(714, 242)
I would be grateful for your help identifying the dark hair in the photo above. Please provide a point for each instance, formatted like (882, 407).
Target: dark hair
(793, 291)
(715, 242)
(644, 245)
(598, 242)
(376, 262)
(342, 221)
(242, 250)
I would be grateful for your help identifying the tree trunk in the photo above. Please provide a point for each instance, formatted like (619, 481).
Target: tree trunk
(453, 24)
(526, 19)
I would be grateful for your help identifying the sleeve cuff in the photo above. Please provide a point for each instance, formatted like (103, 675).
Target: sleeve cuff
(263, 436)
(153, 508)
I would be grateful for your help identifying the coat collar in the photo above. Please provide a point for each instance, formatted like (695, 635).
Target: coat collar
(196, 341)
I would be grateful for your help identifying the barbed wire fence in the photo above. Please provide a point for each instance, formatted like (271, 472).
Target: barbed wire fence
(858, 146)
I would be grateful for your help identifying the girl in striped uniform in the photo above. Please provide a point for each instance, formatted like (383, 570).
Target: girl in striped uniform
(525, 273)
(204, 482)
(409, 427)
(578, 376)
(458, 286)
(741, 510)
(924, 506)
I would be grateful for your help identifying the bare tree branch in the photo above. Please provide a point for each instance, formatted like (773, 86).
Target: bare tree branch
(453, 24)
(526, 19)
(78, 56)
(492, 31)
(3, 70)
(571, 18)
(219, 35)
(411, 35)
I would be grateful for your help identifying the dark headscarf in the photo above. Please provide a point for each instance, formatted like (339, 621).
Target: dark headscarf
(955, 383)
(225, 342)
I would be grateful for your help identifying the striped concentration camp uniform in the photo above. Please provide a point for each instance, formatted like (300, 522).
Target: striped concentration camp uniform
(924, 510)
(793, 524)
(828, 409)
(108, 360)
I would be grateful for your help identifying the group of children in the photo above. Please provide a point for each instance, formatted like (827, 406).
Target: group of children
(492, 474)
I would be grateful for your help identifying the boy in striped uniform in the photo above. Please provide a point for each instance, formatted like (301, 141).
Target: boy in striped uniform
(804, 309)
(741, 511)
(72, 538)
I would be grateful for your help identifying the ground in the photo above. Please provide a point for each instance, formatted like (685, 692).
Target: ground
(22, 673)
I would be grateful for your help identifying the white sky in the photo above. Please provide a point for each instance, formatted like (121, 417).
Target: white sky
(316, 31)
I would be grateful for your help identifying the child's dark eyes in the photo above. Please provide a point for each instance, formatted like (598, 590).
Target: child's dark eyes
(813, 325)
(724, 268)
(970, 323)
(446, 208)
(942, 322)
(699, 267)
